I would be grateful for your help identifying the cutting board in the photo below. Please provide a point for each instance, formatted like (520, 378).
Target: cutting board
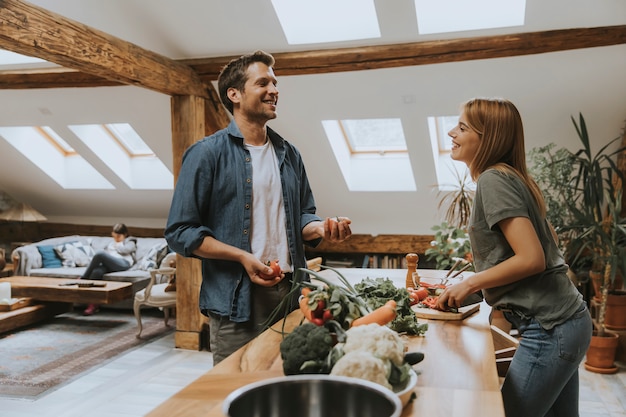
(431, 314)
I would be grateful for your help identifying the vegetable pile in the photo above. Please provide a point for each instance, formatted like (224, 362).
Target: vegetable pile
(378, 291)
(370, 301)
(372, 352)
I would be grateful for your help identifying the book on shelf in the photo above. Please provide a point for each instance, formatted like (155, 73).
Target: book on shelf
(385, 261)
(339, 264)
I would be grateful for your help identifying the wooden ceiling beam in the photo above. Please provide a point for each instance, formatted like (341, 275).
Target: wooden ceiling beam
(428, 52)
(33, 31)
(363, 58)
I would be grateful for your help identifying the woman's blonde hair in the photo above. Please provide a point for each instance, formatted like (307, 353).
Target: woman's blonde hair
(499, 126)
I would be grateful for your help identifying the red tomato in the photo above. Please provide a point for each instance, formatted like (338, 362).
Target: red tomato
(414, 297)
(431, 302)
(421, 293)
(275, 270)
(327, 315)
(319, 310)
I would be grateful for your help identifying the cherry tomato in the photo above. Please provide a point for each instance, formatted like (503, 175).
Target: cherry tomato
(319, 309)
(421, 293)
(327, 315)
(317, 321)
(276, 271)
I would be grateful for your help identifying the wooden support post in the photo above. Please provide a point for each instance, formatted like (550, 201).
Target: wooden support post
(191, 123)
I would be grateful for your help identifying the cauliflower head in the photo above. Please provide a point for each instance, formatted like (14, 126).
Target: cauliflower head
(364, 365)
(378, 340)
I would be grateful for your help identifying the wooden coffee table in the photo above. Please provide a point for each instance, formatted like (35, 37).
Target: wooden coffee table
(53, 296)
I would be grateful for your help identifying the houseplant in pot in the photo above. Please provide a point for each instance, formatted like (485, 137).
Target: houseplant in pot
(596, 232)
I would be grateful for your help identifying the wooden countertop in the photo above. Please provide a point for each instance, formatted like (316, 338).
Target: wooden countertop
(457, 376)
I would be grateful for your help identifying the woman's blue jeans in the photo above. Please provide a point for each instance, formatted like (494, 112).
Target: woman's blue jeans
(542, 379)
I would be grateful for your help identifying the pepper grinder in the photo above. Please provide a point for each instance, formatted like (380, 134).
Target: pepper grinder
(411, 262)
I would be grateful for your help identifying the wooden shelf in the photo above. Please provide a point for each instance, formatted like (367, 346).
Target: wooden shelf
(383, 251)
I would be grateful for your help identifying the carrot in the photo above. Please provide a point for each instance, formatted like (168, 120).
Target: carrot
(304, 304)
(382, 315)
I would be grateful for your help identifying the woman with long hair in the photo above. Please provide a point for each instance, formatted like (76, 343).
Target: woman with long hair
(519, 267)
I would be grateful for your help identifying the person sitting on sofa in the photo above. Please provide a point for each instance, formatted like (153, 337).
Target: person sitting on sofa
(119, 255)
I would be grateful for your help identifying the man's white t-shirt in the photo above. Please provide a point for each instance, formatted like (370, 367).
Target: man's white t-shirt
(269, 231)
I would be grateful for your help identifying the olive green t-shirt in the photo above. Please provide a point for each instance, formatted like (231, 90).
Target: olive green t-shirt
(549, 296)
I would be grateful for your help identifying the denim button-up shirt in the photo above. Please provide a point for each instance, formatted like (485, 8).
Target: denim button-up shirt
(213, 197)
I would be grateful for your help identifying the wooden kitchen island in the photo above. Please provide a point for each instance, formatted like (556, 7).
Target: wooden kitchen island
(456, 378)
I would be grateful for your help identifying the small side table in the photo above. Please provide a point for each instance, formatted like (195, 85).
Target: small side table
(7, 271)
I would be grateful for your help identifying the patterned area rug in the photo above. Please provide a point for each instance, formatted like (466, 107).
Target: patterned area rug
(44, 356)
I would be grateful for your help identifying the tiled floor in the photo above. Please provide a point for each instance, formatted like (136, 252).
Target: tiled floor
(138, 381)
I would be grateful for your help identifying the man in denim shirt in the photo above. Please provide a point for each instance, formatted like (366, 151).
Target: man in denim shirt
(243, 198)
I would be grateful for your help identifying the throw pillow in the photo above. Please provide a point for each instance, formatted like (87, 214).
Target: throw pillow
(74, 254)
(49, 256)
(152, 258)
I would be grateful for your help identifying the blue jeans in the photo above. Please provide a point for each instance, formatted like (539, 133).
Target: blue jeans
(103, 262)
(542, 379)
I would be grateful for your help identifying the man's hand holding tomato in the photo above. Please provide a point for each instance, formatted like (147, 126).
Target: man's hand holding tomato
(337, 229)
(260, 273)
(276, 271)
(333, 229)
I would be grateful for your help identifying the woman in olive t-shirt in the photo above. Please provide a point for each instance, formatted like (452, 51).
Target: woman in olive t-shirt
(519, 267)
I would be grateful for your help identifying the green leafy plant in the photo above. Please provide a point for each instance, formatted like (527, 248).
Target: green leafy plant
(552, 170)
(597, 231)
(583, 193)
(450, 244)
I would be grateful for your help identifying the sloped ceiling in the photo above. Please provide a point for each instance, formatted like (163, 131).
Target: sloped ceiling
(548, 88)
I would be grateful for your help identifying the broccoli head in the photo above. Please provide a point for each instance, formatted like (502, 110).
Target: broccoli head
(305, 350)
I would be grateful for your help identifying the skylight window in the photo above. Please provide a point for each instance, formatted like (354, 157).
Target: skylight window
(126, 154)
(54, 157)
(318, 21)
(460, 15)
(129, 139)
(57, 141)
(371, 154)
(374, 135)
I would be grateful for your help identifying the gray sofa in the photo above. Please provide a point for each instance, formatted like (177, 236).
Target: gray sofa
(42, 258)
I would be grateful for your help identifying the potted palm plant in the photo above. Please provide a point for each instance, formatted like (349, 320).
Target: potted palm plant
(583, 193)
(596, 231)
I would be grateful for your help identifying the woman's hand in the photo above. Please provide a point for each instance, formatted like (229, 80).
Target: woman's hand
(453, 296)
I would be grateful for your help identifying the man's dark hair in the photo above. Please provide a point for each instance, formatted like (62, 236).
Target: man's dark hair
(235, 75)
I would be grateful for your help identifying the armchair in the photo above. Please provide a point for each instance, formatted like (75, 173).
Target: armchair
(154, 295)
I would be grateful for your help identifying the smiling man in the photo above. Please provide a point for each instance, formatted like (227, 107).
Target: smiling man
(243, 198)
